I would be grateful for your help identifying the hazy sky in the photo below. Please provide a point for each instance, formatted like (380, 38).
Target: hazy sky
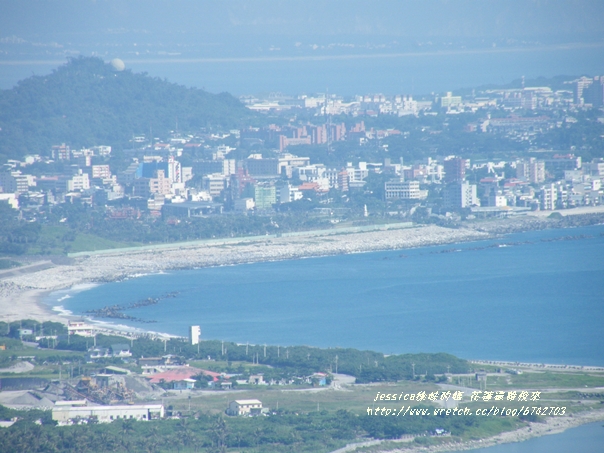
(244, 46)
(513, 19)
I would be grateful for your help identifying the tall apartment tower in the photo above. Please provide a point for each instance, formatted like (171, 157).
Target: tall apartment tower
(459, 195)
(455, 169)
(549, 196)
(594, 94)
(194, 334)
(536, 171)
(581, 85)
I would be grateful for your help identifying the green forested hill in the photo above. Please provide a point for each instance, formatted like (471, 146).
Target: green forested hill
(86, 102)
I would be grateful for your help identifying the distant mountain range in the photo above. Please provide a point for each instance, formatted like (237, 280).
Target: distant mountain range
(87, 102)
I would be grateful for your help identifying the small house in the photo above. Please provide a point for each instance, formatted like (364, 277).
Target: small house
(245, 407)
(257, 379)
(120, 350)
(98, 353)
(319, 379)
(481, 376)
(184, 384)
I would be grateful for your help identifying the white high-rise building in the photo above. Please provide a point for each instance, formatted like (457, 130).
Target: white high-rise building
(549, 196)
(174, 170)
(460, 195)
(194, 334)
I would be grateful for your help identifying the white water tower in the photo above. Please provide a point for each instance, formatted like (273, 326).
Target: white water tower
(194, 334)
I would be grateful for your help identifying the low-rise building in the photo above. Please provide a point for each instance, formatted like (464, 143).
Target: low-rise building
(184, 384)
(100, 172)
(405, 190)
(257, 379)
(65, 412)
(214, 183)
(191, 209)
(80, 328)
(245, 407)
(121, 350)
(11, 199)
(77, 182)
(244, 204)
(97, 353)
(289, 193)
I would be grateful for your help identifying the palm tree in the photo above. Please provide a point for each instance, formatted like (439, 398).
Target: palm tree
(105, 441)
(218, 433)
(176, 440)
(127, 429)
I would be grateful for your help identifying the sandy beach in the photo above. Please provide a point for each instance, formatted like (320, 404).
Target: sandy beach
(20, 294)
(17, 302)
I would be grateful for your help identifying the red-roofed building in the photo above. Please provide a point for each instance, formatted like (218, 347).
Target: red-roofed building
(181, 377)
(311, 187)
(175, 374)
(513, 182)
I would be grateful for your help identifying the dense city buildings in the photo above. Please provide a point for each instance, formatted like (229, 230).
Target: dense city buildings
(318, 160)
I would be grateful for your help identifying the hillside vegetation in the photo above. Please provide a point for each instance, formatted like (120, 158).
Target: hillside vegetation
(86, 103)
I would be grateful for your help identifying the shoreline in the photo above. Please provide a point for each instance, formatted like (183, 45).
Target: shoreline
(22, 293)
(532, 430)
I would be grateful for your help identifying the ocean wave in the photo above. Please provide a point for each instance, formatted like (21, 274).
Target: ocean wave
(82, 287)
(67, 293)
(61, 310)
(138, 275)
(144, 274)
(123, 328)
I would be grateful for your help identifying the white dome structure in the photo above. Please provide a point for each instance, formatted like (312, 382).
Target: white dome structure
(118, 64)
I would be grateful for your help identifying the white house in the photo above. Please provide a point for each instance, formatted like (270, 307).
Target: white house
(245, 407)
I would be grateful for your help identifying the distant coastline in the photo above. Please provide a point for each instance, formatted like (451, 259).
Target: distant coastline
(21, 294)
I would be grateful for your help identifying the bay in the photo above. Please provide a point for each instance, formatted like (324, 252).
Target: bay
(530, 297)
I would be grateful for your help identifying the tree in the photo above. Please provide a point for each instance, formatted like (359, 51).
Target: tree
(218, 434)
(86, 103)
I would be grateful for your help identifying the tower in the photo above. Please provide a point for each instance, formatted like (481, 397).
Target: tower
(194, 334)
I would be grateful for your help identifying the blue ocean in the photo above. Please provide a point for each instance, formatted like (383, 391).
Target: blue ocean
(532, 297)
(585, 439)
(405, 73)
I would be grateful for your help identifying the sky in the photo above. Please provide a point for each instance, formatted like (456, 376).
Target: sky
(239, 35)
(70, 20)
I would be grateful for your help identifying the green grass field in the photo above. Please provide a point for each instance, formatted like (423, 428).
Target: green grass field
(355, 398)
(546, 380)
(56, 240)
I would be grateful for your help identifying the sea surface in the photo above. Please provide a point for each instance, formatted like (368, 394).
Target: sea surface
(414, 73)
(530, 297)
(583, 439)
